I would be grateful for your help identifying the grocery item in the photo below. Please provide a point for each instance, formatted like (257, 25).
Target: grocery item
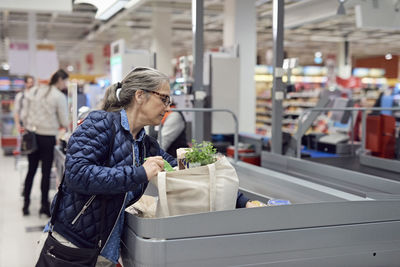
(167, 166)
(278, 202)
(258, 203)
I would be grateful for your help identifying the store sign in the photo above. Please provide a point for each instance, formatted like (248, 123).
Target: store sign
(42, 5)
(18, 57)
(352, 82)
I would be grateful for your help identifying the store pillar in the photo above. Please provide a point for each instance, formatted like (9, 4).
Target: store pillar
(98, 61)
(161, 43)
(84, 58)
(32, 43)
(344, 60)
(240, 29)
(278, 88)
(199, 120)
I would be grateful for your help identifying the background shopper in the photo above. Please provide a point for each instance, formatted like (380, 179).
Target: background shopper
(29, 82)
(173, 131)
(45, 111)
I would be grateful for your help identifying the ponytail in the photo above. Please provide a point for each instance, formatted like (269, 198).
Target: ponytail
(110, 100)
(60, 74)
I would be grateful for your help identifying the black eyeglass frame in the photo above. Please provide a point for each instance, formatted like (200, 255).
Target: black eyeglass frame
(166, 99)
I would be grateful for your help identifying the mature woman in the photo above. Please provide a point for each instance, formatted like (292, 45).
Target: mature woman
(44, 112)
(120, 179)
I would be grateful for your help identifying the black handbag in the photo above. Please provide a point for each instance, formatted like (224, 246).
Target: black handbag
(55, 254)
(28, 143)
(28, 138)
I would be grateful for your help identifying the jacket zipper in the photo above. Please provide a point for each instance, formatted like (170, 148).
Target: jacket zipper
(115, 223)
(87, 204)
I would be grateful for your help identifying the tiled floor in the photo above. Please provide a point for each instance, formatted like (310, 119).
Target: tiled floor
(18, 234)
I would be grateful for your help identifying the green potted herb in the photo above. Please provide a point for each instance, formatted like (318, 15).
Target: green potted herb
(200, 154)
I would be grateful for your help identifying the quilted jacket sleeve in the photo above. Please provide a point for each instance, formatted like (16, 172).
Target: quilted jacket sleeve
(171, 160)
(155, 150)
(88, 150)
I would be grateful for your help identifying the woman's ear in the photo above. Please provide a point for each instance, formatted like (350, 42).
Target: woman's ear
(139, 96)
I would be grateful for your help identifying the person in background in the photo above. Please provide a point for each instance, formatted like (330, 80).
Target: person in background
(173, 131)
(45, 111)
(81, 97)
(19, 100)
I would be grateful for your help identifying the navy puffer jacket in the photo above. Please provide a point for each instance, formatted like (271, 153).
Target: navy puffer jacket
(86, 175)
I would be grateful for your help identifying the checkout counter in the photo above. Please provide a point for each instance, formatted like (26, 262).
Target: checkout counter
(324, 226)
(328, 224)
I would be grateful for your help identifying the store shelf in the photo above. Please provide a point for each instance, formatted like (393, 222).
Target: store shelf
(293, 113)
(7, 102)
(7, 125)
(7, 116)
(268, 112)
(12, 91)
(293, 108)
(308, 82)
(312, 94)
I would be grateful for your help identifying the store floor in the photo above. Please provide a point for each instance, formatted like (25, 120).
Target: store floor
(18, 234)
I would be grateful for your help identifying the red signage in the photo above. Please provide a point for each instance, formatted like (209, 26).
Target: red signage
(352, 82)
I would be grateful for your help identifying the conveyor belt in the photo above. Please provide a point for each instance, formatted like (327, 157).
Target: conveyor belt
(277, 185)
(353, 163)
(332, 175)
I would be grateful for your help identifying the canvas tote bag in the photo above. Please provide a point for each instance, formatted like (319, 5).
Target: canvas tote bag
(207, 188)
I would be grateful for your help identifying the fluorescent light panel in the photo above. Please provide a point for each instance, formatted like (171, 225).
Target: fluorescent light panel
(111, 10)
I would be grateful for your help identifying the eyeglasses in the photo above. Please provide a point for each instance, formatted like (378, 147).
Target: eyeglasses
(164, 98)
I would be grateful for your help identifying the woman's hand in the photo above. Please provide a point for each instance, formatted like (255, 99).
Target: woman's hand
(153, 165)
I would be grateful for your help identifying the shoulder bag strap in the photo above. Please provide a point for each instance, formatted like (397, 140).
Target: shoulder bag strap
(104, 199)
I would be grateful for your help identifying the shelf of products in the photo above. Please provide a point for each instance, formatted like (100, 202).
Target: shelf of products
(306, 95)
(371, 82)
(9, 87)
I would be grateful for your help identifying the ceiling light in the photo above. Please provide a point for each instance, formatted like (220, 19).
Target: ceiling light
(388, 56)
(341, 10)
(105, 9)
(111, 11)
(5, 66)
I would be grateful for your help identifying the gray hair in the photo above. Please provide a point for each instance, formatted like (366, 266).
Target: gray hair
(139, 78)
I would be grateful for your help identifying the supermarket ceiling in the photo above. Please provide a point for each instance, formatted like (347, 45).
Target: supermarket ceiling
(310, 26)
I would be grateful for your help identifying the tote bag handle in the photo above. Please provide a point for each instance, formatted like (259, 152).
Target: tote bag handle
(212, 184)
(162, 192)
